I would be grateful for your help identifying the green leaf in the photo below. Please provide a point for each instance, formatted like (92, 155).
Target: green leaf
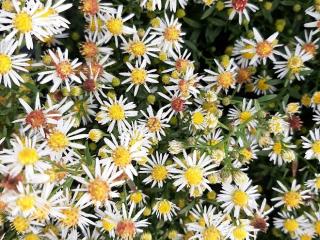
(207, 13)
(192, 23)
(267, 98)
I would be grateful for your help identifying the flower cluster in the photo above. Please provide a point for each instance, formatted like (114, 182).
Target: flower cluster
(118, 120)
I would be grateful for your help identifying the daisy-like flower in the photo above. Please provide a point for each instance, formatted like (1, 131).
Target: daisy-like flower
(169, 35)
(141, 48)
(105, 223)
(245, 115)
(155, 123)
(210, 224)
(294, 63)
(173, 4)
(165, 209)
(312, 145)
(260, 217)
(277, 125)
(151, 5)
(291, 199)
(138, 75)
(23, 224)
(263, 49)
(137, 198)
(186, 85)
(127, 225)
(116, 112)
(247, 150)
(224, 79)
(98, 189)
(241, 8)
(281, 151)
(92, 9)
(197, 120)
(37, 119)
(262, 85)
(60, 140)
(179, 62)
(122, 154)
(242, 229)
(315, 100)
(314, 184)
(63, 71)
(10, 64)
(308, 45)
(73, 214)
(192, 173)
(314, 219)
(25, 22)
(236, 198)
(157, 170)
(114, 25)
(316, 117)
(26, 154)
(243, 58)
(83, 110)
(291, 224)
(93, 47)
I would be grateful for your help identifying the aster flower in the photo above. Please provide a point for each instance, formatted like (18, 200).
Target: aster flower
(291, 199)
(138, 75)
(241, 8)
(236, 198)
(314, 184)
(241, 229)
(165, 209)
(262, 85)
(179, 62)
(10, 63)
(241, 56)
(173, 4)
(63, 70)
(308, 45)
(312, 145)
(192, 173)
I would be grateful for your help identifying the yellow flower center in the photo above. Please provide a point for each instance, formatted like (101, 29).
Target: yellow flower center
(291, 225)
(245, 116)
(294, 64)
(71, 217)
(264, 49)
(121, 157)
(317, 227)
(201, 221)
(115, 26)
(25, 203)
(154, 124)
(225, 80)
(28, 156)
(31, 236)
(5, 64)
(211, 233)
(193, 176)
(239, 233)
(240, 198)
(116, 112)
(107, 224)
(182, 65)
(136, 197)
(248, 55)
(247, 154)
(23, 22)
(41, 213)
(58, 141)
(7, 6)
(317, 183)
(159, 173)
(171, 34)
(137, 48)
(292, 199)
(164, 207)
(197, 118)
(20, 224)
(316, 147)
(277, 148)
(47, 13)
(305, 237)
(98, 189)
(263, 85)
(96, 26)
(138, 76)
(64, 69)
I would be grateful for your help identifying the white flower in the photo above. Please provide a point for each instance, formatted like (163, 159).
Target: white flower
(169, 35)
(10, 63)
(242, 57)
(138, 75)
(165, 209)
(314, 24)
(192, 173)
(312, 145)
(245, 115)
(173, 4)
(292, 199)
(262, 85)
(116, 112)
(237, 198)
(308, 45)
(293, 64)
(242, 229)
(63, 70)
(314, 184)
(179, 62)
(98, 189)
(240, 7)
(157, 170)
